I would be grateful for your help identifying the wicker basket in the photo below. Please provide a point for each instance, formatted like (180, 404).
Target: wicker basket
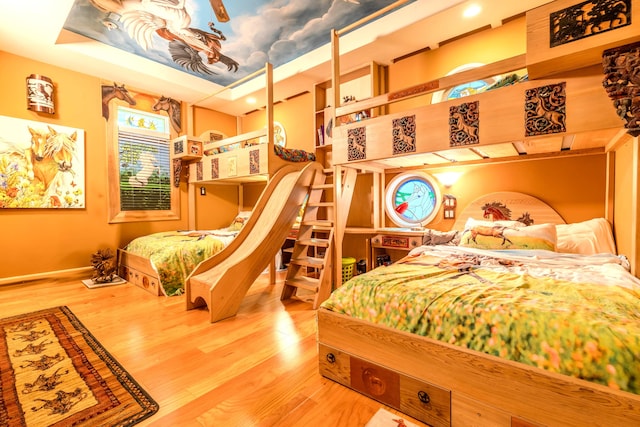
(347, 268)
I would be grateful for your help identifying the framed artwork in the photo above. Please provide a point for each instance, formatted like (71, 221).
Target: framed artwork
(41, 165)
(412, 199)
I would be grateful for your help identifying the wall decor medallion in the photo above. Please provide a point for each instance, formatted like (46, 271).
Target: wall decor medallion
(356, 144)
(545, 110)
(622, 82)
(587, 19)
(464, 121)
(404, 135)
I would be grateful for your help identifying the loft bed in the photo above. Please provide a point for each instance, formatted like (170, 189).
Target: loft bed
(462, 374)
(161, 263)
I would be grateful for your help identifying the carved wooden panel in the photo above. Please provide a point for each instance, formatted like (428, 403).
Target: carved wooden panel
(199, 172)
(254, 161)
(464, 121)
(215, 168)
(357, 144)
(177, 171)
(587, 19)
(622, 82)
(545, 110)
(404, 135)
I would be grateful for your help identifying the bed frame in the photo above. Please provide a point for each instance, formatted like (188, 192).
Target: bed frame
(435, 382)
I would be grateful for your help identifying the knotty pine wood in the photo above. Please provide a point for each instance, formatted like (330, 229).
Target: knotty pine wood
(259, 368)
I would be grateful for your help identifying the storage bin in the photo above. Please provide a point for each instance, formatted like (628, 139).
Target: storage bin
(347, 268)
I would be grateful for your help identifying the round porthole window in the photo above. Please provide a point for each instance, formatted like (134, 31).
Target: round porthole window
(412, 199)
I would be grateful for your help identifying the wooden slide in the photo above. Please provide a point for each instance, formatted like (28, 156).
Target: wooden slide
(222, 281)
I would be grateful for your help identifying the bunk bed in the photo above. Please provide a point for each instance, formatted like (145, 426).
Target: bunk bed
(459, 371)
(161, 263)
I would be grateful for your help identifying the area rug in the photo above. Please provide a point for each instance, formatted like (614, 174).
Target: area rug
(53, 372)
(384, 418)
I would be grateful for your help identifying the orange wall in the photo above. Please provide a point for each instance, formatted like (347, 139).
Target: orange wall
(38, 241)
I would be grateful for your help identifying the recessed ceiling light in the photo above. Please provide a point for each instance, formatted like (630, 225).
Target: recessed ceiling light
(472, 10)
(251, 100)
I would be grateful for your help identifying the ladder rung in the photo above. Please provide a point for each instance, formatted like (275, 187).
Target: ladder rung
(303, 282)
(319, 224)
(320, 204)
(288, 250)
(322, 186)
(308, 261)
(320, 243)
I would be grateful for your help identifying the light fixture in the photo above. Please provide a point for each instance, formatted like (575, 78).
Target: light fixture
(40, 94)
(251, 100)
(448, 178)
(472, 10)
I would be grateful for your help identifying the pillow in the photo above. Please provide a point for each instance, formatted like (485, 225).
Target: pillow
(502, 235)
(587, 238)
(239, 221)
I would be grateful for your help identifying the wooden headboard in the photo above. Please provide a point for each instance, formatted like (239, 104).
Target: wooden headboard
(508, 205)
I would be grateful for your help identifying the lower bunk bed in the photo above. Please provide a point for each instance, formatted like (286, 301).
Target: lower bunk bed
(461, 335)
(161, 262)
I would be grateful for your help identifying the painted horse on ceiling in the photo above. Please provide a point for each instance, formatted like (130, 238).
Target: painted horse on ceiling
(170, 20)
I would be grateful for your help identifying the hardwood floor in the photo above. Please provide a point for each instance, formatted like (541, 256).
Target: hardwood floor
(259, 368)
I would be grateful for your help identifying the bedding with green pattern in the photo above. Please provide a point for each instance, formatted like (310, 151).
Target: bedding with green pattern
(577, 315)
(175, 254)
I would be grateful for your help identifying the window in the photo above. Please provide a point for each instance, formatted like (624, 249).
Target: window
(140, 166)
(412, 199)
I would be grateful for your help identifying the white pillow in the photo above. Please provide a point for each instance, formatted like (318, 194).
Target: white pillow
(588, 237)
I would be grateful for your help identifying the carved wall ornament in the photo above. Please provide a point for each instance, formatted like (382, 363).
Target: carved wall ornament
(464, 121)
(177, 171)
(587, 19)
(621, 66)
(545, 110)
(404, 135)
(357, 144)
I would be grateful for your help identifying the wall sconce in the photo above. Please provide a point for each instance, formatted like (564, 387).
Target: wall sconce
(40, 94)
(448, 178)
(449, 204)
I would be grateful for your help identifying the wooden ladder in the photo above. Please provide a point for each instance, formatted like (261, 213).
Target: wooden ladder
(310, 272)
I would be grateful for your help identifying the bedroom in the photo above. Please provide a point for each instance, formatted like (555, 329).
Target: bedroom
(61, 237)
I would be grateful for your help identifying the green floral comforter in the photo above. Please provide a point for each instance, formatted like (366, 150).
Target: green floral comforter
(175, 254)
(571, 314)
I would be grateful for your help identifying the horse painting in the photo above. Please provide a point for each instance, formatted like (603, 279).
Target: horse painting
(117, 92)
(172, 107)
(43, 169)
(495, 231)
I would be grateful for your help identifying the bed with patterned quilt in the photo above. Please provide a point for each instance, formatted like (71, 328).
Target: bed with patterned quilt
(503, 323)
(161, 262)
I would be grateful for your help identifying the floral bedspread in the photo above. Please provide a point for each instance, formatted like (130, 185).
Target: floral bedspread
(175, 254)
(572, 314)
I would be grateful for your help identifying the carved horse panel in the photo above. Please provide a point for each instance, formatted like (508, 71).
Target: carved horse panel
(464, 122)
(404, 135)
(357, 144)
(545, 110)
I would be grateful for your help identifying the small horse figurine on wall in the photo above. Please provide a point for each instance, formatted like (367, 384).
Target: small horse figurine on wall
(172, 107)
(110, 92)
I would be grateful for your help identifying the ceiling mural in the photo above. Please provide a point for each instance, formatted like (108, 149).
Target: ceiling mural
(218, 40)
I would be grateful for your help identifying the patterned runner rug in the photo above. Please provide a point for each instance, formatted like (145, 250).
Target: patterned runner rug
(53, 372)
